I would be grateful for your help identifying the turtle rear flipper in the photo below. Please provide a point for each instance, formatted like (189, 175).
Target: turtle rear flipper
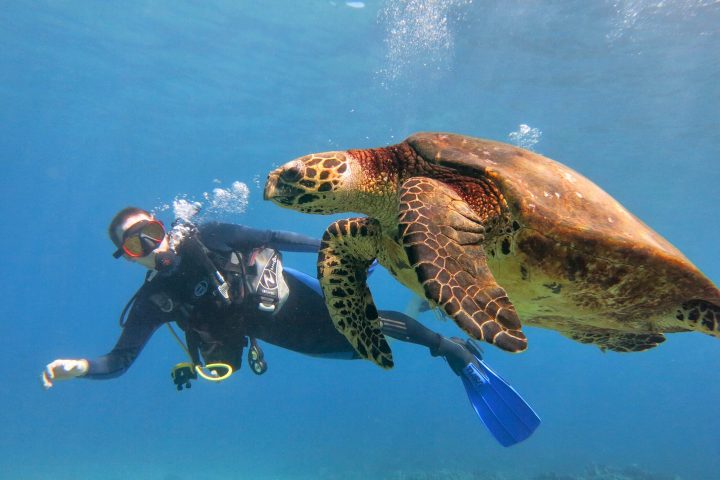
(347, 251)
(617, 341)
(442, 237)
(700, 315)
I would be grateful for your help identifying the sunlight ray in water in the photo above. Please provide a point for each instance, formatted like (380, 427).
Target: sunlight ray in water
(418, 36)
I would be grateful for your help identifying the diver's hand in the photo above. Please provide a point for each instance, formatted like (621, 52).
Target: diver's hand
(63, 370)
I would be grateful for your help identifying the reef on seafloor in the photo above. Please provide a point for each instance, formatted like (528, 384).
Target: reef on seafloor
(594, 472)
(603, 472)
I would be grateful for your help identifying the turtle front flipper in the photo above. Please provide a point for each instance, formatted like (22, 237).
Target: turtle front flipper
(348, 248)
(442, 237)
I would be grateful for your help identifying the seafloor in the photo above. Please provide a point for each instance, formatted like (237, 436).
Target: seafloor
(594, 472)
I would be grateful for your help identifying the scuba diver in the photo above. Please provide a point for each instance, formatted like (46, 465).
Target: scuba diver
(225, 286)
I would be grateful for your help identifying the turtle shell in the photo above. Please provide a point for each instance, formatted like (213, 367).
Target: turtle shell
(573, 231)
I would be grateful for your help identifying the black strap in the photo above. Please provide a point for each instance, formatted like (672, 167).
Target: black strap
(235, 269)
(220, 286)
(126, 309)
(123, 315)
(192, 339)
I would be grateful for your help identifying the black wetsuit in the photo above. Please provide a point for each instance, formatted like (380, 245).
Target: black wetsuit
(184, 294)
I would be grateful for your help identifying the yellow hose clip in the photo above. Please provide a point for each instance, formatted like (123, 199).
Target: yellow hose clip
(214, 376)
(182, 372)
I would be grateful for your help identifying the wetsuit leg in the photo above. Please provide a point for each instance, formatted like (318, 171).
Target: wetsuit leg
(405, 328)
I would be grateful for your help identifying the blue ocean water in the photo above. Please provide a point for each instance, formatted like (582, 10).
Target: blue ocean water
(104, 105)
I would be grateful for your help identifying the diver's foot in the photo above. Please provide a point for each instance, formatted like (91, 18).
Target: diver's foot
(458, 353)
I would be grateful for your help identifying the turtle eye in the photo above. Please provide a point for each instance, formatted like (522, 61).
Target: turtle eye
(292, 174)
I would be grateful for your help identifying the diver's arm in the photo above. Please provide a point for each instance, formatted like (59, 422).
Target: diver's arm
(143, 319)
(293, 242)
(241, 237)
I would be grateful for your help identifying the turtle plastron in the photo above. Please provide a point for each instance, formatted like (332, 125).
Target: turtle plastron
(442, 237)
(348, 249)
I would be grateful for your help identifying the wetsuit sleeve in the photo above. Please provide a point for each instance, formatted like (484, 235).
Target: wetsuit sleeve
(242, 238)
(142, 321)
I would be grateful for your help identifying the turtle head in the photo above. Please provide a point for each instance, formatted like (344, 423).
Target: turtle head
(322, 183)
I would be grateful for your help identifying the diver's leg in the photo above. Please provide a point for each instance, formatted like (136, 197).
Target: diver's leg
(405, 328)
(504, 412)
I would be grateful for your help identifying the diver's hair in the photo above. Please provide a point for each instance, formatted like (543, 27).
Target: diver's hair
(118, 220)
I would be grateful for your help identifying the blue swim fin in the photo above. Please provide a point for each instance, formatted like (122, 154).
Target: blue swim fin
(503, 411)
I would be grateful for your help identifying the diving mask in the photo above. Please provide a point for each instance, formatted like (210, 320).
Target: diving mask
(141, 239)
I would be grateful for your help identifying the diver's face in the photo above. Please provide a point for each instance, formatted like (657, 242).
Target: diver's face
(148, 260)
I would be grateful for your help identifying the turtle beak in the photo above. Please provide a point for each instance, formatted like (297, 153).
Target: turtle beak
(280, 182)
(270, 186)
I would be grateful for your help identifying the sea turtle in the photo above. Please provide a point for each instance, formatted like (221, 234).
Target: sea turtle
(492, 234)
